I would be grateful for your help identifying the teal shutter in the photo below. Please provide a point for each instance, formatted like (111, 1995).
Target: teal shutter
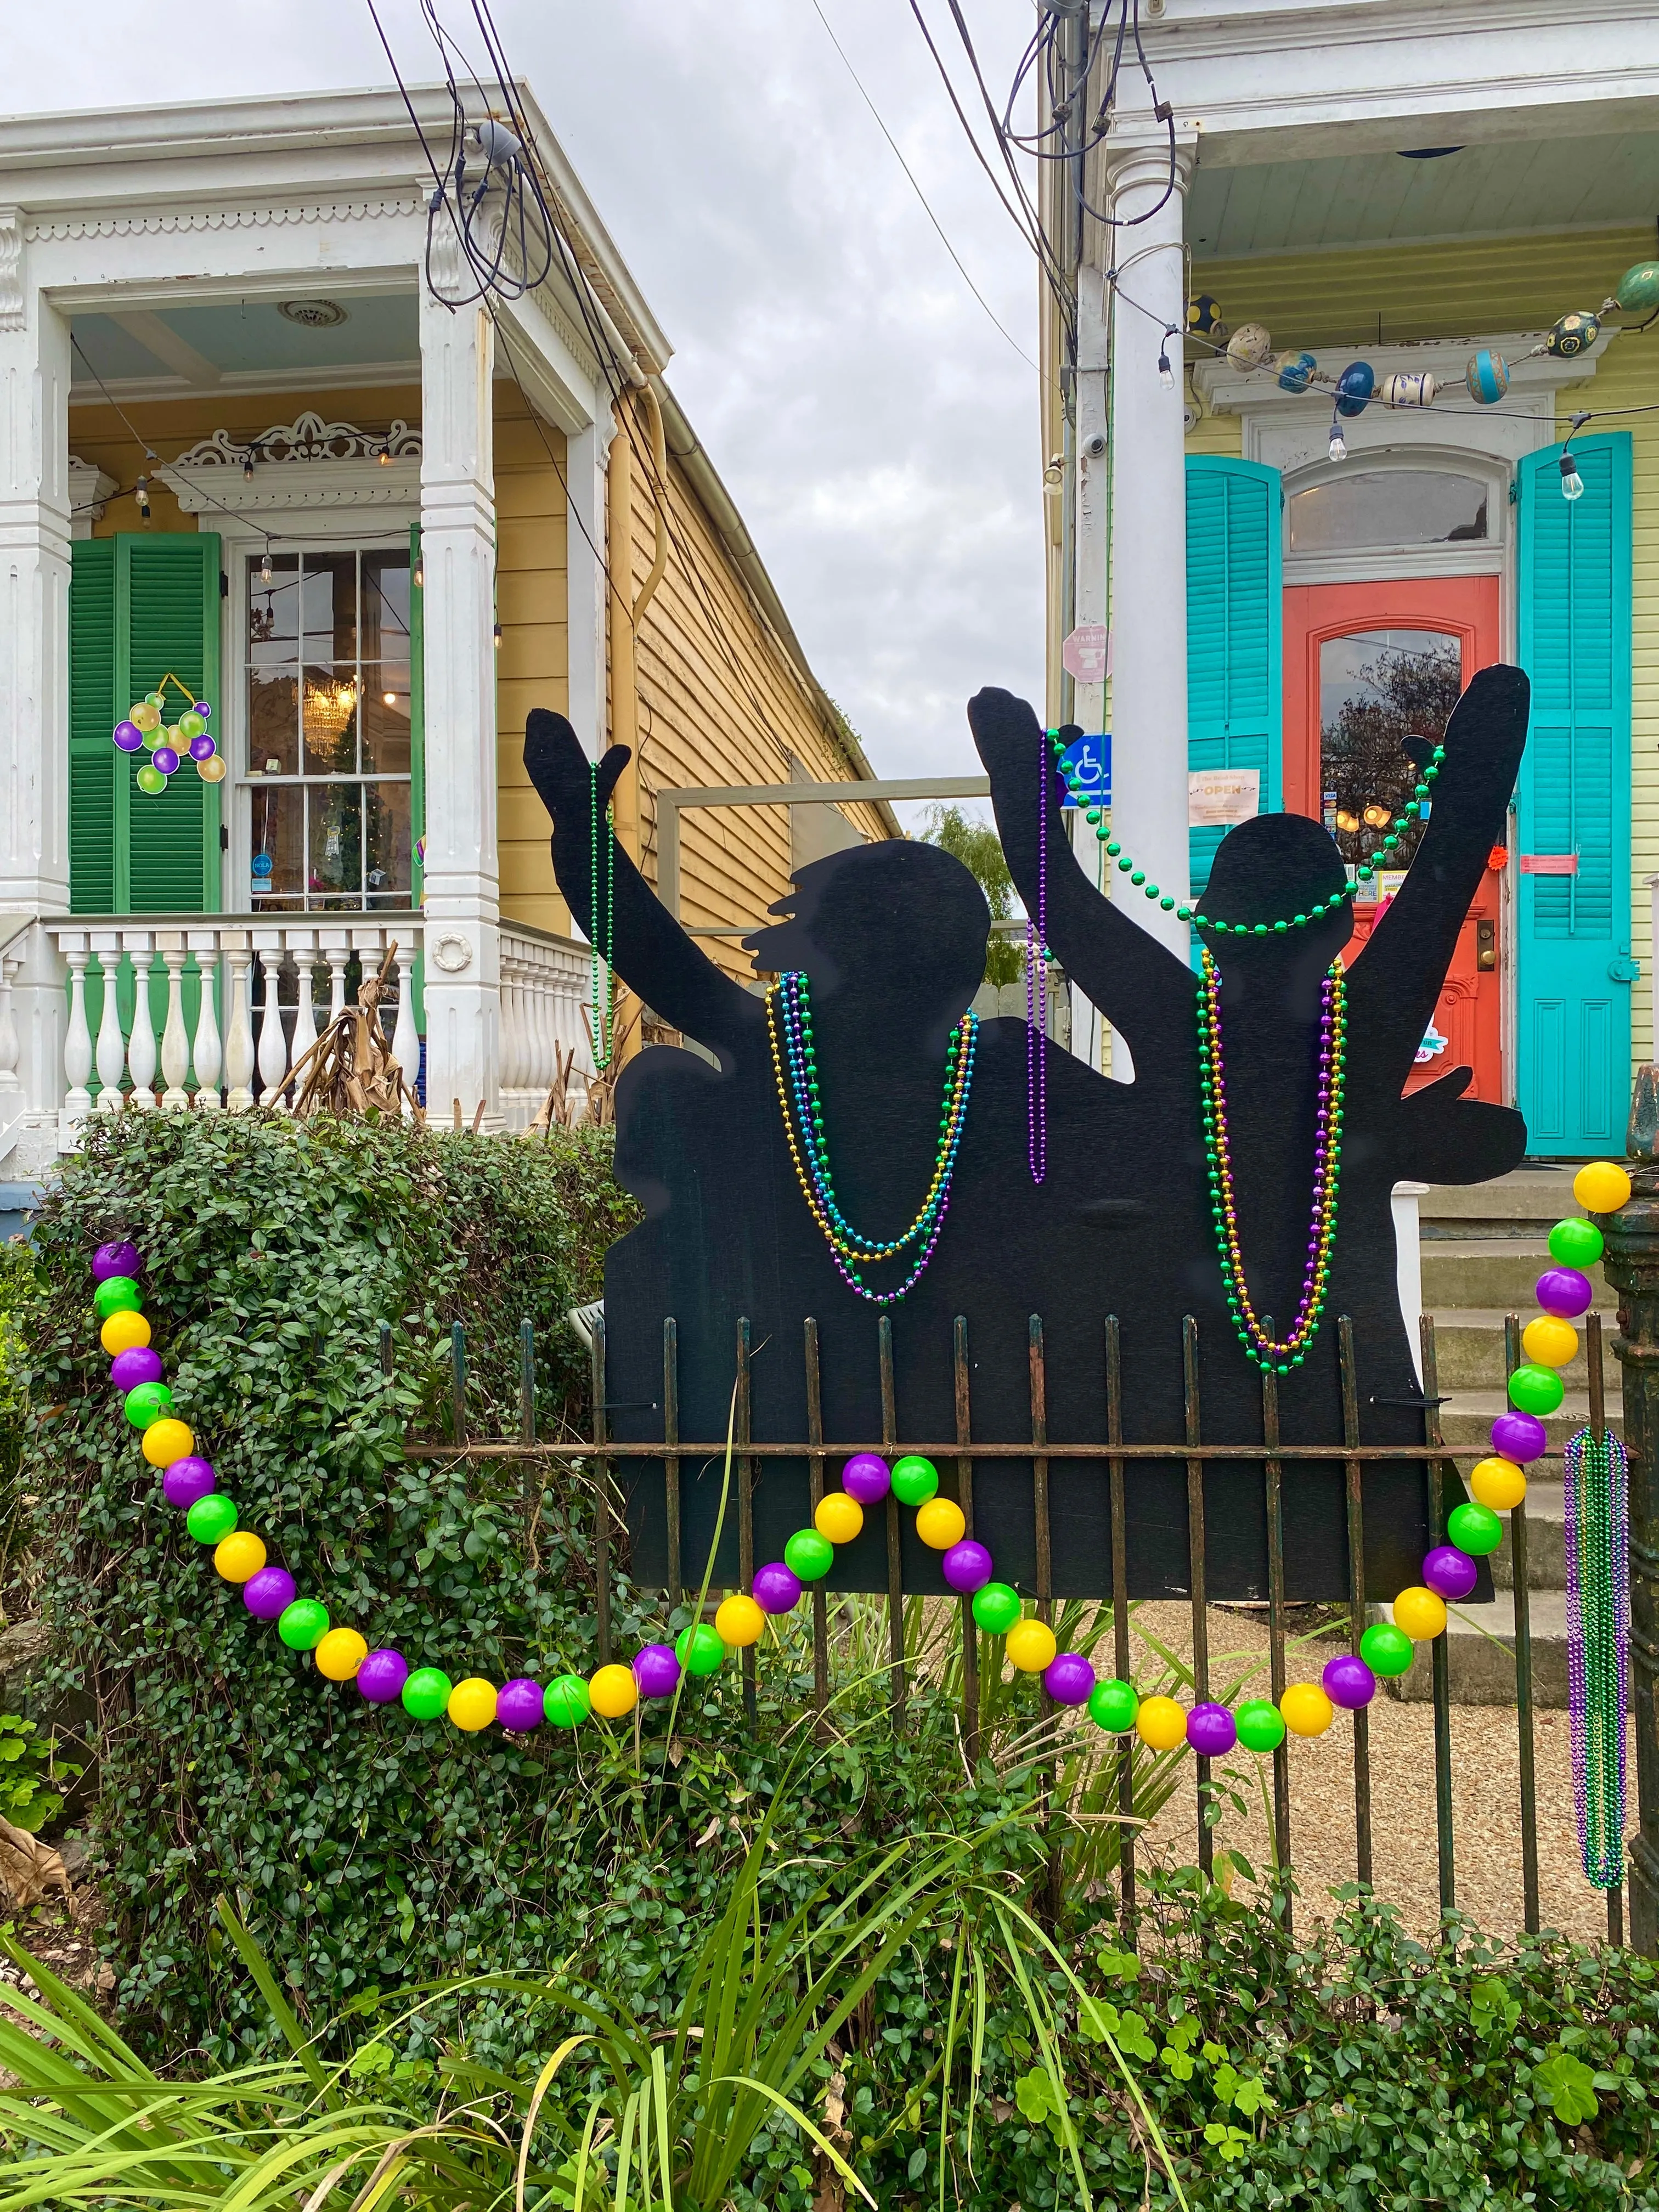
(95, 767)
(1235, 625)
(1574, 970)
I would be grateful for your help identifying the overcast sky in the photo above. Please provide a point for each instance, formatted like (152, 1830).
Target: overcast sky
(878, 433)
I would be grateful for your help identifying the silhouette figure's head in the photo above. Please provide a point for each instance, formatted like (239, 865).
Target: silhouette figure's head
(897, 919)
(1270, 870)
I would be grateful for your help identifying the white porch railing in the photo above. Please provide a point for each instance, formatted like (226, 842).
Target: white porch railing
(543, 985)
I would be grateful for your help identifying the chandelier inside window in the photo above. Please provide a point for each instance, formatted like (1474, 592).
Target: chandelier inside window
(330, 705)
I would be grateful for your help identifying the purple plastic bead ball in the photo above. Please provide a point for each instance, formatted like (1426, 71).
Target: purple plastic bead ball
(1348, 1681)
(1564, 1291)
(382, 1677)
(967, 1566)
(776, 1588)
(118, 1259)
(1519, 1436)
(1449, 1572)
(270, 1592)
(519, 1706)
(139, 1365)
(166, 758)
(657, 1670)
(203, 748)
(1212, 1731)
(187, 1480)
(128, 736)
(867, 1476)
(1068, 1678)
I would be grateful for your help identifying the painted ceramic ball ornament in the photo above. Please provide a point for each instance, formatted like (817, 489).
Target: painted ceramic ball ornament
(1487, 376)
(1251, 346)
(1638, 290)
(1204, 318)
(1409, 388)
(1354, 388)
(1296, 371)
(1572, 335)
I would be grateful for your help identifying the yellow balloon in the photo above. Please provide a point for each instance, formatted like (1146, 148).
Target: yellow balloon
(839, 1517)
(472, 1704)
(167, 1440)
(612, 1690)
(739, 1621)
(212, 769)
(1552, 1342)
(1031, 1646)
(1499, 1483)
(1420, 1613)
(1601, 1187)
(123, 1331)
(1161, 1723)
(1306, 1709)
(143, 716)
(340, 1654)
(939, 1523)
(239, 1555)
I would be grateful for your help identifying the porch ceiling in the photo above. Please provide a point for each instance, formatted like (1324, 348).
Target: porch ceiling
(203, 344)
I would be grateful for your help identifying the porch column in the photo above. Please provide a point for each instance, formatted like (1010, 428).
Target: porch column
(458, 556)
(1149, 532)
(585, 452)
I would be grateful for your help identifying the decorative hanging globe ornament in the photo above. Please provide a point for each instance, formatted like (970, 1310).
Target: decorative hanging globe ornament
(1572, 335)
(1409, 388)
(1354, 388)
(1487, 376)
(1204, 318)
(1637, 291)
(1251, 346)
(1296, 371)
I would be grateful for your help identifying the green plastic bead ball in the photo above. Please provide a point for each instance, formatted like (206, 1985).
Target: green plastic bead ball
(303, 1624)
(915, 1480)
(1261, 929)
(808, 1555)
(1475, 1530)
(1127, 863)
(1168, 905)
(1573, 1244)
(1092, 816)
(1389, 843)
(1152, 891)
(1302, 921)
(119, 1294)
(211, 1519)
(566, 1700)
(1385, 1649)
(1183, 914)
(1113, 849)
(147, 1403)
(426, 1694)
(1113, 1706)
(1139, 875)
(1261, 1725)
(997, 1607)
(1281, 926)
(1535, 1389)
(701, 1649)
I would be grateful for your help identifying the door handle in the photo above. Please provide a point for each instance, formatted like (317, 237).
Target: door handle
(1486, 946)
(1624, 970)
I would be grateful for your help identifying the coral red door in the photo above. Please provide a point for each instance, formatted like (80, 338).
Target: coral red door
(1367, 665)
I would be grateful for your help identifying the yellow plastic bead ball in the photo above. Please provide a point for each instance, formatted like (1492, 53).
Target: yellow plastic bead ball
(1499, 1483)
(1306, 1710)
(239, 1555)
(1031, 1646)
(839, 1517)
(1550, 1341)
(1601, 1187)
(612, 1691)
(167, 1440)
(340, 1654)
(739, 1621)
(472, 1704)
(123, 1331)
(1420, 1613)
(1161, 1723)
(939, 1524)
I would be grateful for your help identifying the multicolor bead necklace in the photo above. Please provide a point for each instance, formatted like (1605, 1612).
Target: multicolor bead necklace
(1036, 1006)
(1595, 1492)
(605, 924)
(1281, 1354)
(802, 1108)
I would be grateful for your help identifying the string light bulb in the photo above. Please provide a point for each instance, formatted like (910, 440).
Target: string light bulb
(264, 567)
(141, 493)
(1572, 485)
(420, 577)
(498, 637)
(1165, 373)
(1338, 446)
(247, 465)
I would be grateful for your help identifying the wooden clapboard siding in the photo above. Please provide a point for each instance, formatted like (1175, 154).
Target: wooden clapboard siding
(533, 668)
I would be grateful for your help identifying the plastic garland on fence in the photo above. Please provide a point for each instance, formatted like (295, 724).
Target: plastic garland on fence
(169, 744)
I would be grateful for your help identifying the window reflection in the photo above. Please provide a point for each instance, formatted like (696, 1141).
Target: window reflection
(1388, 506)
(1377, 688)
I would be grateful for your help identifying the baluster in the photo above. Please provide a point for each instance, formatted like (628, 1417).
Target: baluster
(11, 1089)
(338, 958)
(405, 1032)
(302, 949)
(142, 1057)
(273, 1045)
(515, 1055)
(112, 1045)
(546, 1029)
(77, 1044)
(238, 1031)
(175, 1042)
(207, 1051)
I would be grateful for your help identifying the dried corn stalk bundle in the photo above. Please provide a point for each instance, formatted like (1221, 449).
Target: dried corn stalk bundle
(350, 1068)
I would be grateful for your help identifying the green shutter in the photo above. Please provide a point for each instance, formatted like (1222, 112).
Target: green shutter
(95, 766)
(168, 589)
(1235, 621)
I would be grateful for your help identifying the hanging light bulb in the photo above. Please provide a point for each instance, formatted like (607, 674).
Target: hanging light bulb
(386, 457)
(247, 465)
(141, 493)
(498, 637)
(420, 577)
(1572, 485)
(1165, 373)
(1338, 446)
(264, 567)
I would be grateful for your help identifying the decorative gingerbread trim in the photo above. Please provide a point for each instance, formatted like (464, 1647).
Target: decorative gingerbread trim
(307, 438)
(173, 223)
(12, 316)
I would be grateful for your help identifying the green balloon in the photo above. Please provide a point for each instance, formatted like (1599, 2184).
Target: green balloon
(807, 1555)
(150, 780)
(211, 1518)
(1535, 1389)
(1386, 1650)
(700, 1649)
(303, 1624)
(1475, 1530)
(1575, 1243)
(1112, 1705)
(157, 699)
(147, 1403)
(1261, 1725)
(915, 1480)
(426, 1694)
(997, 1607)
(118, 1294)
(189, 725)
(156, 736)
(566, 1701)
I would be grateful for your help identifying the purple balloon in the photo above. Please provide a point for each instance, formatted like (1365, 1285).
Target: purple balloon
(119, 1258)
(165, 758)
(187, 1480)
(1212, 1731)
(128, 736)
(1068, 1678)
(382, 1674)
(519, 1704)
(657, 1670)
(1519, 1436)
(1565, 1291)
(203, 748)
(1348, 1681)
(270, 1593)
(776, 1588)
(203, 708)
(1449, 1572)
(139, 1365)
(967, 1566)
(867, 1476)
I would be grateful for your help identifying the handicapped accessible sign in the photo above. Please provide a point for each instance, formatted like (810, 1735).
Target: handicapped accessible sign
(1087, 762)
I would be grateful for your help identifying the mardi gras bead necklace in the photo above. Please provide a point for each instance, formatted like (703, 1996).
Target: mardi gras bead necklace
(1037, 1007)
(604, 1023)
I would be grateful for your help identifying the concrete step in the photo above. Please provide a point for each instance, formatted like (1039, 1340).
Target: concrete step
(1546, 1542)
(1481, 1654)
(1468, 1342)
(1527, 1203)
(1488, 1273)
(1467, 1416)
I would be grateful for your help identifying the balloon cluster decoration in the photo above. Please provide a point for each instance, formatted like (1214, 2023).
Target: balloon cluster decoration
(169, 745)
